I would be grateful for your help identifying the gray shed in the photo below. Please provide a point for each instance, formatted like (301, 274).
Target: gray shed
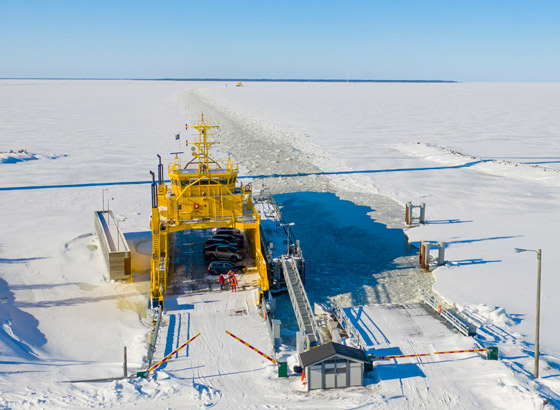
(333, 365)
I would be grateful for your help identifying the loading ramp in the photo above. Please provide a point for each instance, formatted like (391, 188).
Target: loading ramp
(302, 308)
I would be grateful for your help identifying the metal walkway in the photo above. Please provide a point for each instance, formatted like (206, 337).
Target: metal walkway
(300, 302)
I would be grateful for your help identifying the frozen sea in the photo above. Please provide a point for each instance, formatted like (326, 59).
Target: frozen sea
(483, 157)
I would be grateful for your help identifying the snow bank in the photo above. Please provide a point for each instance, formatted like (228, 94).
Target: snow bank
(12, 157)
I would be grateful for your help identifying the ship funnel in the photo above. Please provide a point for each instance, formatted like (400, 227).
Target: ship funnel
(160, 171)
(154, 190)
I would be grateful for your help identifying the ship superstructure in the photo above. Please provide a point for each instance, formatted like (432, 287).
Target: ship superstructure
(203, 194)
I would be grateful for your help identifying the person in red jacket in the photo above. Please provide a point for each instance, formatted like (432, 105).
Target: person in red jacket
(233, 283)
(222, 280)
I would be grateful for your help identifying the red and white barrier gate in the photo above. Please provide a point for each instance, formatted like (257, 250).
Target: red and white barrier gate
(155, 366)
(253, 348)
(429, 354)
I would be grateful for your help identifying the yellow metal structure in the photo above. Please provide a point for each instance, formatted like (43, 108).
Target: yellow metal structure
(203, 194)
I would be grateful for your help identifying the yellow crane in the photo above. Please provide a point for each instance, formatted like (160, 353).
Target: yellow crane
(203, 194)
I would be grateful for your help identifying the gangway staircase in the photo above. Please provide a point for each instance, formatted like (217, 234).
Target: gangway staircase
(302, 308)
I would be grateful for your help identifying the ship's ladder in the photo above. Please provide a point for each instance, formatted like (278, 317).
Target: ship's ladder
(156, 245)
(218, 212)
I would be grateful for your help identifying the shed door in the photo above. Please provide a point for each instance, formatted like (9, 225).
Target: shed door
(315, 377)
(356, 374)
(341, 369)
(330, 373)
(335, 373)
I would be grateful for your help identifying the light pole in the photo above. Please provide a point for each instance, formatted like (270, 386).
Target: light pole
(287, 227)
(539, 253)
(118, 246)
(108, 199)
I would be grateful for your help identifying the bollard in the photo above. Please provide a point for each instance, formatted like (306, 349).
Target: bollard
(125, 367)
(300, 342)
(409, 217)
(408, 213)
(422, 213)
(426, 256)
(441, 253)
(276, 323)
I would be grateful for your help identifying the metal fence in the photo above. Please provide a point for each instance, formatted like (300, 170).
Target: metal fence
(451, 317)
(348, 325)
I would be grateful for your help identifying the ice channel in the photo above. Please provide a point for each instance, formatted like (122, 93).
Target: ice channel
(353, 242)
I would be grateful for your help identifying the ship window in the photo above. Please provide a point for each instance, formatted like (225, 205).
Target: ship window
(206, 181)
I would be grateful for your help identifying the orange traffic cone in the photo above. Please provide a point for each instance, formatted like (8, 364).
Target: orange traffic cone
(303, 380)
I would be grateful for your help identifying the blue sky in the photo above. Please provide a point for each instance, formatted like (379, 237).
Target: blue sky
(447, 40)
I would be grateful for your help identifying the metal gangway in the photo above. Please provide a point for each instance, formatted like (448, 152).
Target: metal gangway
(302, 308)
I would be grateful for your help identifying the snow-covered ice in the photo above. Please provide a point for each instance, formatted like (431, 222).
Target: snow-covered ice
(483, 157)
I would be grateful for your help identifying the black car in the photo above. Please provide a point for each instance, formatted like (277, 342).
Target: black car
(223, 267)
(230, 238)
(221, 241)
(212, 247)
(226, 231)
(223, 253)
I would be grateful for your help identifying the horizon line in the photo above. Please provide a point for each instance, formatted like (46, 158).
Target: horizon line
(294, 80)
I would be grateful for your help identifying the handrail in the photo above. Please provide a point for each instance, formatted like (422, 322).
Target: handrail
(346, 323)
(291, 292)
(449, 316)
(155, 331)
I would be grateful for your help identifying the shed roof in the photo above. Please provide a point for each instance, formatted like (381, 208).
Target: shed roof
(327, 350)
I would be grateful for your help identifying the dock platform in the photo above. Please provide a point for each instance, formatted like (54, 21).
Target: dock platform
(113, 244)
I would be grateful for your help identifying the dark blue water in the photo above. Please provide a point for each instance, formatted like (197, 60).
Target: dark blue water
(345, 250)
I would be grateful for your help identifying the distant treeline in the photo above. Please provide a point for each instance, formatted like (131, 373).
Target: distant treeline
(270, 80)
(300, 80)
